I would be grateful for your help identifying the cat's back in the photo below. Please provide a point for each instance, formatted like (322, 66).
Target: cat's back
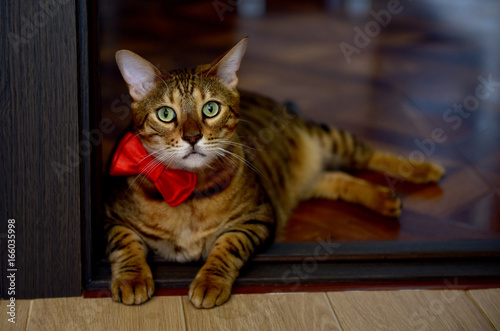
(266, 122)
(284, 148)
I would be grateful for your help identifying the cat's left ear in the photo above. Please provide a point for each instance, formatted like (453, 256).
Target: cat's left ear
(226, 66)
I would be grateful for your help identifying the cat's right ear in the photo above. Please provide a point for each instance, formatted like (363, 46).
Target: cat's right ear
(140, 75)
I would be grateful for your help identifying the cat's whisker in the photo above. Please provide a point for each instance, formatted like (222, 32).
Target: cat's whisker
(246, 121)
(228, 160)
(143, 175)
(161, 78)
(151, 166)
(168, 160)
(158, 152)
(240, 158)
(209, 166)
(234, 143)
(247, 149)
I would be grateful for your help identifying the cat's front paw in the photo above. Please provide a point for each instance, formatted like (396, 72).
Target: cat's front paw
(208, 291)
(132, 288)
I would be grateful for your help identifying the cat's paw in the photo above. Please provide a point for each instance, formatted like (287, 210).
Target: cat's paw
(386, 202)
(208, 291)
(132, 288)
(427, 172)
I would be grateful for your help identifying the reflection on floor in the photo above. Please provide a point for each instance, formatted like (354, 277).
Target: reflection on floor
(394, 75)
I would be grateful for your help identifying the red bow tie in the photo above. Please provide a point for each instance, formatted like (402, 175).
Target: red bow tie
(132, 159)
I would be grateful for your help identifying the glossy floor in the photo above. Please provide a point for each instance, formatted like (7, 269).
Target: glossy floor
(420, 79)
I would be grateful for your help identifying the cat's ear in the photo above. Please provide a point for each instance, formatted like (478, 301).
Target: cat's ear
(226, 66)
(140, 75)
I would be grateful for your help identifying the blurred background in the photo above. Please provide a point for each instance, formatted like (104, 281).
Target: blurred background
(392, 72)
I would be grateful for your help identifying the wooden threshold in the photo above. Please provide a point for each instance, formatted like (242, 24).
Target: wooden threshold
(288, 267)
(332, 287)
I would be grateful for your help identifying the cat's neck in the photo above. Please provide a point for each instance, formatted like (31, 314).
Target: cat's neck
(218, 175)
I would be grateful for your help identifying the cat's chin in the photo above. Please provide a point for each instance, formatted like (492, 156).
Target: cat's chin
(194, 162)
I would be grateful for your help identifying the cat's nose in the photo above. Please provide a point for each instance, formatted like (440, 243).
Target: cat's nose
(192, 138)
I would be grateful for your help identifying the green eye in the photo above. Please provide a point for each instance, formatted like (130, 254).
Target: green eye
(166, 114)
(211, 109)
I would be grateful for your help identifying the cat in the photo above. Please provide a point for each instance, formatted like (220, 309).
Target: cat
(247, 162)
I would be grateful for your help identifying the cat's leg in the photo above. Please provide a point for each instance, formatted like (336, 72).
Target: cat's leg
(132, 280)
(213, 283)
(339, 185)
(399, 167)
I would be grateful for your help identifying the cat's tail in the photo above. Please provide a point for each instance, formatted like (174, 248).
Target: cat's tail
(345, 150)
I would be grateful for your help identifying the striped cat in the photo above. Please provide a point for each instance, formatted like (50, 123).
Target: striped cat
(253, 161)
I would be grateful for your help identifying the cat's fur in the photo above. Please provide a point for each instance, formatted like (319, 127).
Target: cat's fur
(255, 161)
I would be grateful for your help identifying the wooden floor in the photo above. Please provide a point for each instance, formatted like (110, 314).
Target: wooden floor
(395, 92)
(474, 310)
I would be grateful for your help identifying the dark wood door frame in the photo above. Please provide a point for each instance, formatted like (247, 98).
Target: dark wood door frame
(44, 108)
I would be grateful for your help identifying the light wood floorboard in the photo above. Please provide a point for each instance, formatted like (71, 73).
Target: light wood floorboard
(293, 311)
(163, 313)
(407, 310)
(475, 310)
(489, 302)
(21, 315)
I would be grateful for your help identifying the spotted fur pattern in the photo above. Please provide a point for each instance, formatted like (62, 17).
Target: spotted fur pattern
(255, 161)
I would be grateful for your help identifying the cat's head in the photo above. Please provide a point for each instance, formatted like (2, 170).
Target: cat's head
(185, 118)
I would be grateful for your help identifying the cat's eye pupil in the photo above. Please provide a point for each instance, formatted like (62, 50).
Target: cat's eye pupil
(166, 114)
(211, 109)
